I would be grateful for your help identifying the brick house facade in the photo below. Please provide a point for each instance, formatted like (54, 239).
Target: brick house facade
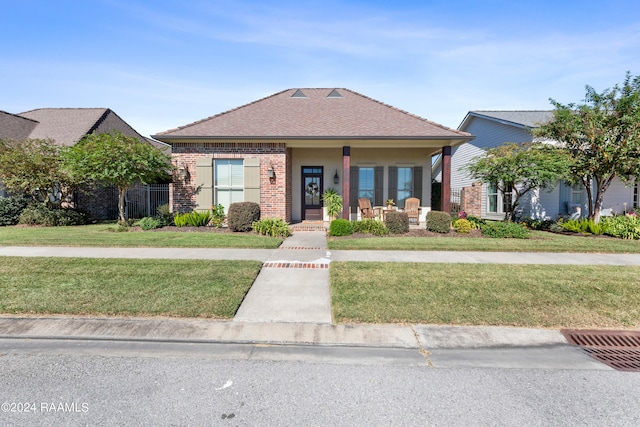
(285, 150)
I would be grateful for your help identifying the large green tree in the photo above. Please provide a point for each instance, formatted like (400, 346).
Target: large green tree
(602, 134)
(33, 167)
(118, 160)
(517, 169)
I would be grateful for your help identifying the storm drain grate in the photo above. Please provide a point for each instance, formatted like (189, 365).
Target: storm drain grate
(618, 349)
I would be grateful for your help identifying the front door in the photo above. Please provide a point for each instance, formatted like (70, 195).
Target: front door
(312, 193)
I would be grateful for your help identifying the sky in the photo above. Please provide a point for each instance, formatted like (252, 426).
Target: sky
(161, 64)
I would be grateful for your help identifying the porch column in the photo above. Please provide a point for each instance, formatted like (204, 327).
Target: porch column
(445, 203)
(346, 181)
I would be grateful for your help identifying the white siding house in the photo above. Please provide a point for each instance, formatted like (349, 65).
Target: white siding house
(494, 128)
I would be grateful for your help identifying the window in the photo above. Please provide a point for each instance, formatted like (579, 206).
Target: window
(576, 194)
(405, 185)
(366, 185)
(228, 182)
(497, 202)
(492, 198)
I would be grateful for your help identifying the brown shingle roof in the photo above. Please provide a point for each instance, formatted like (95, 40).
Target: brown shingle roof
(312, 113)
(15, 127)
(65, 125)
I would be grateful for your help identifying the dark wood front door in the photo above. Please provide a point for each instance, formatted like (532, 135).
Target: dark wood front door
(312, 193)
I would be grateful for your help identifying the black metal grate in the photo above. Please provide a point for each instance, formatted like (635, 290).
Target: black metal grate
(618, 349)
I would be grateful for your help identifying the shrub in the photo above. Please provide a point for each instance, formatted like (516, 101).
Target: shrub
(274, 227)
(242, 215)
(149, 223)
(370, 226)
(217, 215)
(462, 226)
(192, 219)
(397, 222)
(537, 224)
(476, 223)
(11, 208)
(583, 225)
(621, 226)
(505, 230)
(164, 215)
(438, 222)
(340, 227)
(39, 214)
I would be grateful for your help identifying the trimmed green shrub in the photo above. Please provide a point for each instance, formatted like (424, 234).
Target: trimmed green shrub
(11, 208)
(397, 222)
(217, 215)
(505, 230)
(149, 223)
(438, 222)
(192, 219)
(621, 226)
(242, 215)
(370, 226)
(537, 224)
(39, 214)
(340, 227)
(274, 227)
(164, 215)
(462, 226)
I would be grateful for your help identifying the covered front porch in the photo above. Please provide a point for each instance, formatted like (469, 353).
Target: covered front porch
(376, 171)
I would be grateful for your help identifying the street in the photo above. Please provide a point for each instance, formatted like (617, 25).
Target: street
(78, 382)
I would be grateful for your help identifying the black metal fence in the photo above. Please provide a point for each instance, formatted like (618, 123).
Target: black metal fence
(455, 201)
(144, 200)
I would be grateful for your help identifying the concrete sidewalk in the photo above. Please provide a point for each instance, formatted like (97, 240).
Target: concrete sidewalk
(284, 253)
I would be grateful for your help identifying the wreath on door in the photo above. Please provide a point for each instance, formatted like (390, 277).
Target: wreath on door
(312, 188)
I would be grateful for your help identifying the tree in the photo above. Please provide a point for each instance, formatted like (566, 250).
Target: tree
(33, 167)
(602, 135)
(516, 169)
(118, 160)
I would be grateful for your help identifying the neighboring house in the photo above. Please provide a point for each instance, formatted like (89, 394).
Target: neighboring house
(284, 150)
(67, 126)
(493, 128)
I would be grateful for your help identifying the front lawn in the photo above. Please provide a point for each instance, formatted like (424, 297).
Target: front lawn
(130, 287)
(548, 296)
(540, 241)
(106, 235)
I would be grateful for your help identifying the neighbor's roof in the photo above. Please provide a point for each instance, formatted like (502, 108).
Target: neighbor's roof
(315, 114)
(65, 125)
(15, 127)
(529, 119)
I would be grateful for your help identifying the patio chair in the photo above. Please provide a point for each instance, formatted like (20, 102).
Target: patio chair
(412, 209)
(366, 211)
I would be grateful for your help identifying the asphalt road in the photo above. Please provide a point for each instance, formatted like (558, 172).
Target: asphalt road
(75, 382)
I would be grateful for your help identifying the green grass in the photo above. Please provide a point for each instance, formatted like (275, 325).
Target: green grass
(540, 241)
(104, 235)
(548, 296)
(82, 286)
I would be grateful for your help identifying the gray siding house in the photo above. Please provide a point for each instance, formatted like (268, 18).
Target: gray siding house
(494, 128)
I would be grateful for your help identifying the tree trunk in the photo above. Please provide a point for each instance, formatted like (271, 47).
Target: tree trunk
(122, 193)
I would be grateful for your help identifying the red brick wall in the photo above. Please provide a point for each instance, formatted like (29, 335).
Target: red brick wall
(275, 194)
(471, 200)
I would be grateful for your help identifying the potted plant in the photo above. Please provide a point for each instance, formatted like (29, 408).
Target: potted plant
(333, 202)
(390, 204)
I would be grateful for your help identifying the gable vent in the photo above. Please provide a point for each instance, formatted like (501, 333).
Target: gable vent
(334, 94)
(298, 94)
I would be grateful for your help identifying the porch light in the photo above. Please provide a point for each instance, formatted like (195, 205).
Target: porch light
(271, 173)
(183, 171)
(336, 178)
